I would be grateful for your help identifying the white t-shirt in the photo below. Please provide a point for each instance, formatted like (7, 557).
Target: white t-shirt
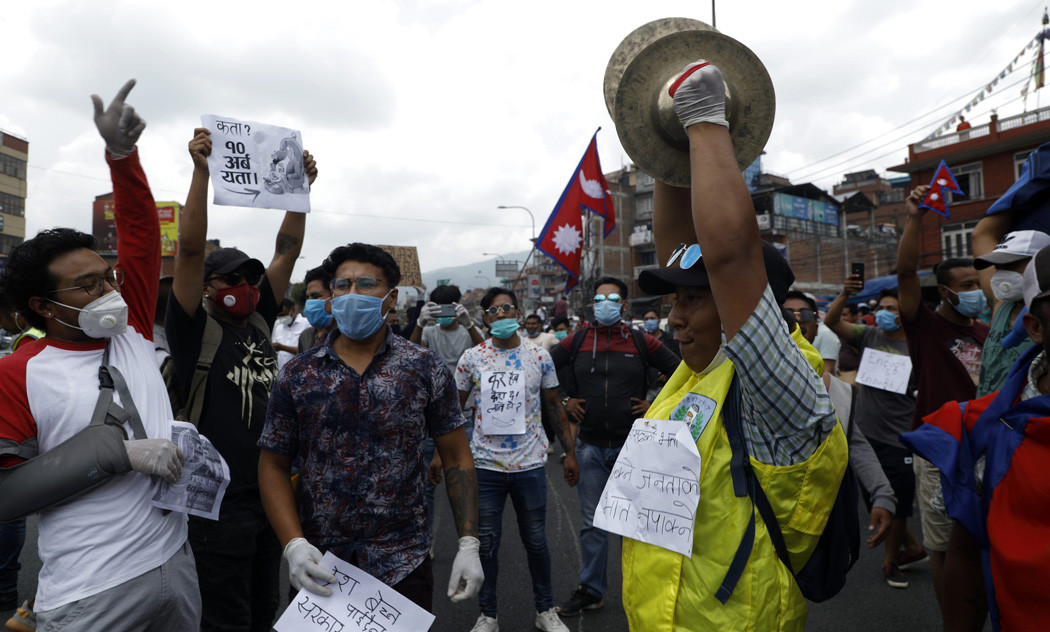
(827, 343)
(111, 533)
(508, 453)
(288, 335)
(544, 340)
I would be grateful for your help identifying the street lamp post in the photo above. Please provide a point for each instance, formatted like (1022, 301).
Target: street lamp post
(531, 217)
(528, 258)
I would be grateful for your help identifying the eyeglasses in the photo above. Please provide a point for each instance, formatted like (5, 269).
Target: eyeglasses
(96, 285)
(804, 315)
(614, 297)
(234, 278)
(689, 256)
(494, 310)
(362, 283)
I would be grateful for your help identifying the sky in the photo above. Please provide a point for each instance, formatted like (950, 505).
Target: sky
(426, 115)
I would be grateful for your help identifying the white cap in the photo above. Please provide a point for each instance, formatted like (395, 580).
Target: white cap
(1018, 245)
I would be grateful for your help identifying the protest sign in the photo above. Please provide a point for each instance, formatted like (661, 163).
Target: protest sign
(205, 476)
(887, 371)
(257, 165)
(407, 259)
(502, 403)
(358, 603)
(654, 488)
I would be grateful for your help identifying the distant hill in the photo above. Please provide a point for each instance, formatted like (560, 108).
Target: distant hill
(480, 274)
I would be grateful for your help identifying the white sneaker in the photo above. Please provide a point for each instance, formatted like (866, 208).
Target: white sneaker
(486, 624)
(550, 622)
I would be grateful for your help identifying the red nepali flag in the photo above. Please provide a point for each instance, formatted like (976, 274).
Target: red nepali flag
(562, 236)
(943, 181)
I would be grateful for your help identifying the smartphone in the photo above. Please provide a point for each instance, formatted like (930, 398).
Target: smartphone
(448, 311)
(856, 269)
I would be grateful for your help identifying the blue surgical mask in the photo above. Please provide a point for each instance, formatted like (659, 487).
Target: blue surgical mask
(651, 325)
(971, 303)
(532, 334)
(504, 328)
(607, 312)
(358, 315)
(445, 321)
(886, 320)
(315, 314)
(560, 335)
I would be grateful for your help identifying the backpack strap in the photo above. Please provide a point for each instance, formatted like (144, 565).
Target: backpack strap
(577, 342)
(198, 383)
(106, 410)
(255, 319)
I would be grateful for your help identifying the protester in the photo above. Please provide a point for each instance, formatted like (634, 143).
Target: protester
(796, 447)
(286, 331)
(160, 337)
(369, 515)
(560, 327)
(882, 416)
(992, 454)
(316, 308)
(804, 307)
(1001, 260)
(238, 557)
(849, 356)
(15, 324)
(651, 325)
(945, 349)
(111, 560)
(561, 307)
(607, 367)
(534, 333)
(512, 463)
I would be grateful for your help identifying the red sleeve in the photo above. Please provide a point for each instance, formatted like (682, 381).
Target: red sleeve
(138, 240)
(16, 420)
(652, 345)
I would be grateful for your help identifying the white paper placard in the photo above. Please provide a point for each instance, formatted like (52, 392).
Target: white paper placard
(502, 403)
(654, 488)
(886, 371)
(256, 165)
(359, 603)
(205, 476)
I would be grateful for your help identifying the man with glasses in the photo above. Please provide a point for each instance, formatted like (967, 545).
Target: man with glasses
(357, 409)
(609, 363)
(516, 394)
(238, 557)
(111, 560)
(804, 308)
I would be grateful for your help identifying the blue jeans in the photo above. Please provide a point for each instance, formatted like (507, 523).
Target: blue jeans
(595, 465)
(12, 536)
(528, 492)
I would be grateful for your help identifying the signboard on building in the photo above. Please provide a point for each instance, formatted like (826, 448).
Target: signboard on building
(764, 221)
(104, 227)
(506, 269)
(534, 286)
(802, 208)
(407, 259)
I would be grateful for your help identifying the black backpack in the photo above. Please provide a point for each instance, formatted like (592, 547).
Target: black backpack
(837, 551)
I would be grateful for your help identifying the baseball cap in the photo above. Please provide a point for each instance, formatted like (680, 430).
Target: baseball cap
(226, 260)
(1015, 246)
(1037, 278)
(661, 281)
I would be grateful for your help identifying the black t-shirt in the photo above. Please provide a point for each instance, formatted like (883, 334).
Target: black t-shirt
(238, 386)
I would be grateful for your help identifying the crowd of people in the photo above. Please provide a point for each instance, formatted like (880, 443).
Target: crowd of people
(337, 425)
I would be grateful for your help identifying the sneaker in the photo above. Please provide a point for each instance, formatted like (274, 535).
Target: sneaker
(23, 620)
(485, 624)
(908, 560)
(581, 599)
(548, 621)
(894, 577)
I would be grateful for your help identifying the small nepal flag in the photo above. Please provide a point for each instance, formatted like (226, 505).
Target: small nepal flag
(942, 183)
(562, 236)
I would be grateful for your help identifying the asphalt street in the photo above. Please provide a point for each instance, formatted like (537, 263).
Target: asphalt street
(866, 604)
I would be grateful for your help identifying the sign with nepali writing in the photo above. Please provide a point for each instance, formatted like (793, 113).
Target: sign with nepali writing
(502, 403)
(257, 165)
(654, 488)
(407, 258)
(887, 371)
(358, 603)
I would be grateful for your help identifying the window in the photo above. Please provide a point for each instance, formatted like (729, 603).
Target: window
(11, 166)
(12, 205)
(644, 179)
(647, 258)
(971, 180)
(1019, 159)
(957, 240)
(643, 207)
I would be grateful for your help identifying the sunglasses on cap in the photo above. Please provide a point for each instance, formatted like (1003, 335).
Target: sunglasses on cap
(494, 310)
(234, 278)
(804, 315)
(614, 297)
(687, 256)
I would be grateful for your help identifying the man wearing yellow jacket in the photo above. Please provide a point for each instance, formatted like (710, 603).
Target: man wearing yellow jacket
(729, 282)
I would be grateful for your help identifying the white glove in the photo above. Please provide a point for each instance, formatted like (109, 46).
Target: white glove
(467, 575)
(428, 314)
(303, 566)
(156, 457)
(119, 125)
(463, 316)
(700, 95)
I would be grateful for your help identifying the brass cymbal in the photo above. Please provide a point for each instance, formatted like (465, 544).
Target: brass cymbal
(643, 111)
(635, 41)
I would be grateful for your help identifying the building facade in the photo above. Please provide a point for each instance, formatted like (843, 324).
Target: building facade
(14, 159)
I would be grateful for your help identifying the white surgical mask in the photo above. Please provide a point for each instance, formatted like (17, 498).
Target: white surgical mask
(104, 317)
(285, 320)
(1008, 285)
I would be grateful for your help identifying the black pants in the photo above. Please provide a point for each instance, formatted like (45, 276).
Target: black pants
(238, 562)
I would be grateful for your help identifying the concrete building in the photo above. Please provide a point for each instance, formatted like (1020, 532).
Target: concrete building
(14, 158)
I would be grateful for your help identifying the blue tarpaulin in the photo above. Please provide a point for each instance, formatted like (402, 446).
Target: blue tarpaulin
(872, 287)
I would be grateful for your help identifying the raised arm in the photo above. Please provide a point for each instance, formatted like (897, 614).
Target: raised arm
(986, 236)
(833, 319)
(289, 241)
(910, 293)
(193, 228)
